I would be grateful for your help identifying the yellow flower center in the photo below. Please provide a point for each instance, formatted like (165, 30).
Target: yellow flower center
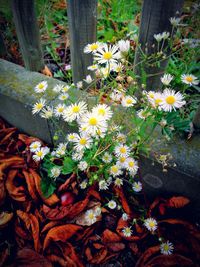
(107, 55)
(122, 159)
(76, 109)
(60, 109)
(101, 111)
(166, 247)
(158, 101)
(131, 164)
(114, 169)
(170, 100)
(39, 153)
(129, 101)
(41, 86)
(151, 224)
(39, 106)
(189, 79)
(94, 47)
(151, 95)
(91, 216)
(122, 150)
(82, 141)
(65, 89)
(93, 121)
(35, 146)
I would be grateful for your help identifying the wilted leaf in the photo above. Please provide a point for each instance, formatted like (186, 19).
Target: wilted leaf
(61, 233)
(177, 202)
(5, 218)
(29, 258)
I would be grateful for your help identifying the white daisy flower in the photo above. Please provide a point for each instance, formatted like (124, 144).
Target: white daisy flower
(157, 100)
(76, 156)
(107, 54)
(41, 87)
(97, 211)
(83, 184)
(121, 138)
(166, 79)
(40, 153)
(107, 158)
(38, 106)
(92, 123)
(141, 114)
(35, 146)
(103, 185)
(103, 110)
(81, 142)
(189, 79)
(172, 100)
(118, 182)
(65, 89)
(93, 67)
(165, 35)
(166, 248)
(116, 95)
(150, 95)
(88, 79)
(132, 165)
(115, 170)
(158, 37)
(122, 150)
(112, 204)
(47, 113)
(90, 216)
(151, 224)
(92, 48)
(137, 186)
(124, 46)
(175, 21)
(127, 231)
(74, 111)
(128, 101)
(67, 67)
(109, 181)
(72, 136)
(103, 72)
(82, 165)
(55, 172)
(79, 85)
(61, 149)
(63, 97)
(57, 88)
(125, 217)
(117, 67)
(121, 161)
(59, 110)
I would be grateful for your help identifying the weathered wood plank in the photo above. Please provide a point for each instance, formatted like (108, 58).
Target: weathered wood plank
(82, 17)
(28, 34)
(155, 19)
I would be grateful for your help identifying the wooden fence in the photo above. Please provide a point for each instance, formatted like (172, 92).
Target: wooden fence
(82, 17)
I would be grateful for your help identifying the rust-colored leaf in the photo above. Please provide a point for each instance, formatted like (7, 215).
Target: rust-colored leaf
(29, 258)
(5, 218)
(46, 71)
(116, 246)
(109, 236)
(169, 261)
(53, 199)
(32, 225)
(67, 183)
(119, 192)
(61, 233)
(177, 202)
(147, 255)
(16, 192)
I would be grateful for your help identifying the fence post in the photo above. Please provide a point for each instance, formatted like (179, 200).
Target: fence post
(154, 19)
(196, 119)
(28, 34)
(3, 51)
(82, 15)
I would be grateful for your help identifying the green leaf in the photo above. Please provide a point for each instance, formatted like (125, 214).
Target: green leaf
(47, 186)
(68, 165)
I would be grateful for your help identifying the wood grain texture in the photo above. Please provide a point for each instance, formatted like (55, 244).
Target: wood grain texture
(155, 19)
(82, 25)
(28, 34)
